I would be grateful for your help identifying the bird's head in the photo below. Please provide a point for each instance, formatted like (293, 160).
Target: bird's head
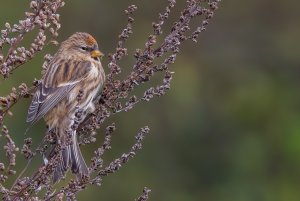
(83, 45)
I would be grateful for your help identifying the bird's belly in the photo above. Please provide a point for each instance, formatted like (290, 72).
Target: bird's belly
(84, 94)
(88, 102)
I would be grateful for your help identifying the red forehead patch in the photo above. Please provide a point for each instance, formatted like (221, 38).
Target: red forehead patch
(90, 40)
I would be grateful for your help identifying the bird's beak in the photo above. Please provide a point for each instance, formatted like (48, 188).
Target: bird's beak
(96, 54)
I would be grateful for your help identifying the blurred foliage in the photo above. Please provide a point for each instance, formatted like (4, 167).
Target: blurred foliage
(229, 128)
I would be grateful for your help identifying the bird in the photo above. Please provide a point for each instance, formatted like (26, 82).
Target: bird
(74, 69)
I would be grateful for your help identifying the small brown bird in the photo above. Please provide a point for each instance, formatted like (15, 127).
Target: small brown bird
(74, 69)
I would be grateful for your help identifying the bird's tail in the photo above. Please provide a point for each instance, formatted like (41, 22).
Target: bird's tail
(71, 158)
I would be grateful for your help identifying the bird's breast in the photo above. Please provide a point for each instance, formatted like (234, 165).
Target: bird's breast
(94, 72)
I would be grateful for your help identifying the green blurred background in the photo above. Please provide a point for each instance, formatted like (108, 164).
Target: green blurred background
(229, 128)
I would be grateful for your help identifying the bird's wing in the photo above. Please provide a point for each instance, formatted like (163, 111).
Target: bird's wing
(58, 81)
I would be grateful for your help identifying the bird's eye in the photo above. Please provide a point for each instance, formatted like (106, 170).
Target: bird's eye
(85, 48)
